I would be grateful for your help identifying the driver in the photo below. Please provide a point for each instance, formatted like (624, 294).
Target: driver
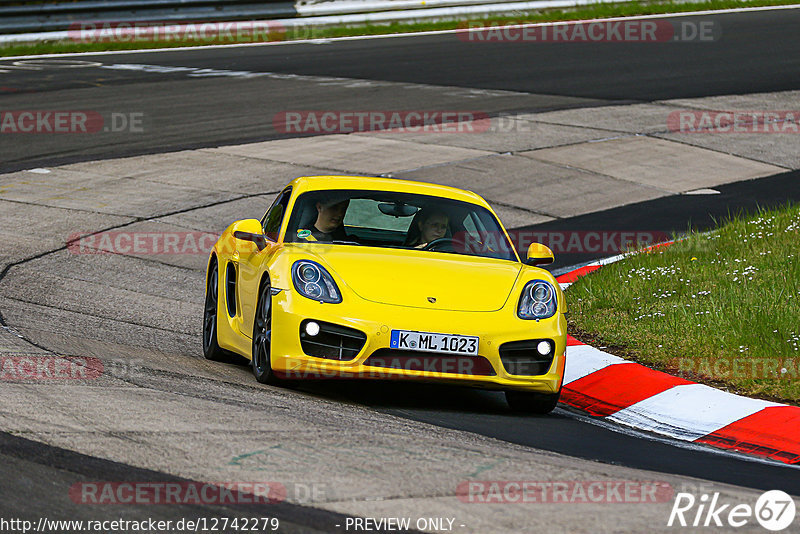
(431, 225)
(329, 225)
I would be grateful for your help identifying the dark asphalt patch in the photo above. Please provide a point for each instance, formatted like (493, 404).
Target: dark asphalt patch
(38, 479)
(675, 213)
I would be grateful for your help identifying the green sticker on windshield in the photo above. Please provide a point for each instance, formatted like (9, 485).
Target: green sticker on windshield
(303, 233)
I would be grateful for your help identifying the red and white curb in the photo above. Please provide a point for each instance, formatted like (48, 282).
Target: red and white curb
(630, 394)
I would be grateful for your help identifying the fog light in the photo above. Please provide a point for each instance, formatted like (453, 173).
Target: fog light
(312, 328)
(543, 347)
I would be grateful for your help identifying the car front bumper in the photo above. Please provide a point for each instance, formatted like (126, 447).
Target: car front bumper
(376, 321)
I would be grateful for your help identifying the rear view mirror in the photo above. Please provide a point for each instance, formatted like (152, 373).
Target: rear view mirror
(397, 209)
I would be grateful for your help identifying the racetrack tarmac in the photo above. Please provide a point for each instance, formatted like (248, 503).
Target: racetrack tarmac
(160, 411)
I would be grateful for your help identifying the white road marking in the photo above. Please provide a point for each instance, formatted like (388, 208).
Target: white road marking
(351, 83)
(56, 64)
(200, 72)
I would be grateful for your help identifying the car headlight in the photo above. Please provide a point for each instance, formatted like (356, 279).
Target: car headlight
(538, 300)
(312, 281)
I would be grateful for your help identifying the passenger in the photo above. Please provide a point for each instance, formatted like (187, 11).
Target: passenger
(329, 225)
(427, 226)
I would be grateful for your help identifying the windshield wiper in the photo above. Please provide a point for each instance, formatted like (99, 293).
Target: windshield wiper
(340, 242)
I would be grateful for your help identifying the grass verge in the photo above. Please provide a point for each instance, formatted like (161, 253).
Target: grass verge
(721, 308)
(322, 32)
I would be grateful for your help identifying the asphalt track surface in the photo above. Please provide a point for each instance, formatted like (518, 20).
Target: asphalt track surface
(40, 472)
(757, 52)
(751, 52)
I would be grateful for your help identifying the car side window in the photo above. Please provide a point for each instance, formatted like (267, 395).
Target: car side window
(274, 217)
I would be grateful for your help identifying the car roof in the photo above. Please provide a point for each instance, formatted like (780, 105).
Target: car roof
(317, 183)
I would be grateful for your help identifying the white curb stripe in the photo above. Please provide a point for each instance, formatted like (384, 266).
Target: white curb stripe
(584, 360)
(688, 412)
(612, 259)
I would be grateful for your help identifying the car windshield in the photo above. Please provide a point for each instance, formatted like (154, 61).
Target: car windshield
(397, 220)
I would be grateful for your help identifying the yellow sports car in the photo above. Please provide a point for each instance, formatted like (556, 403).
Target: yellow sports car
(354, 277)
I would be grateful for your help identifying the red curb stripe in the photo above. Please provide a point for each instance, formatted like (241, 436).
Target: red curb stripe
(773, 432)
(572, 342)
(615, 387)
(577, 273)
(657, 245)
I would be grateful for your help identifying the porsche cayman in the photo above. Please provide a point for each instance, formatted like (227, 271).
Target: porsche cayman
(378, 278)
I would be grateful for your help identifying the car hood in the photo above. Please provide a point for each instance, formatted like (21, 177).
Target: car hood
(413, 278)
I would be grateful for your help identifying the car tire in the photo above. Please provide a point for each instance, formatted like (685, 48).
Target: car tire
(530, 402)
(211, 349)
(262, 339)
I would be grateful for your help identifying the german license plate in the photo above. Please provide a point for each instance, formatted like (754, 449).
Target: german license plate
(432, 342)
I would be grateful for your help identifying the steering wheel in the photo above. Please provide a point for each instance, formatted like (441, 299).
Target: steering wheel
(444, 243)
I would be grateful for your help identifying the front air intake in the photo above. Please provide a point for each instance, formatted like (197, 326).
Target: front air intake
(332, 341)
(522, 358)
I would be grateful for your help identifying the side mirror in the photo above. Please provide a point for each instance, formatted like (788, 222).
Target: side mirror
(539, 254)
(250, 230)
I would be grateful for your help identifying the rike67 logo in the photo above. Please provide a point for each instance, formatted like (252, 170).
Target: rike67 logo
(774, 510)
